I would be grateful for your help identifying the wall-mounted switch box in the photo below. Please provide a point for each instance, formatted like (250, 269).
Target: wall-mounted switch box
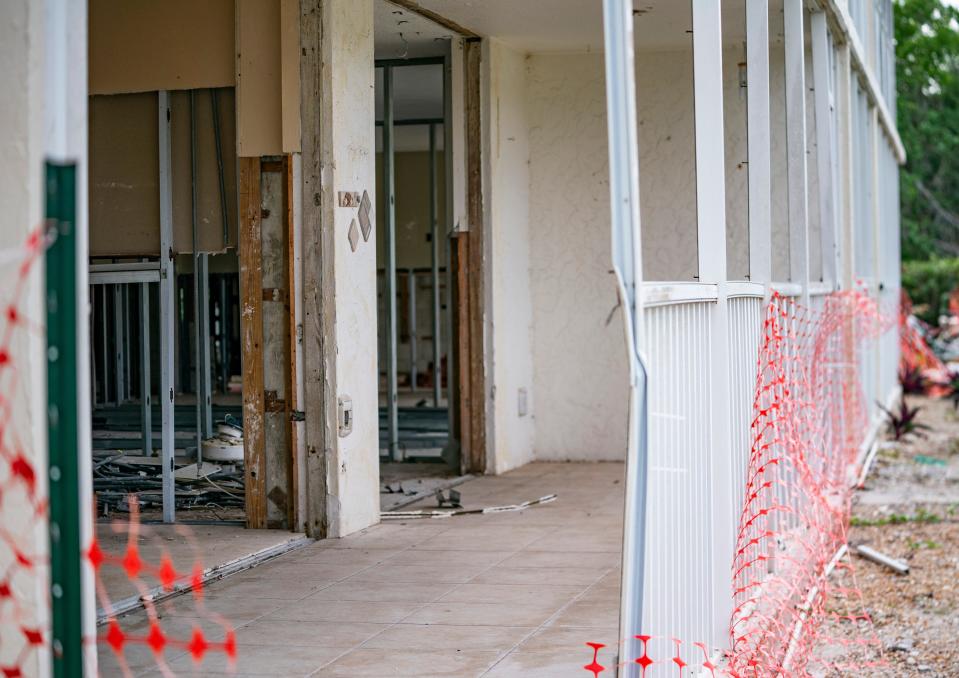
(344, 418)
(522, 403)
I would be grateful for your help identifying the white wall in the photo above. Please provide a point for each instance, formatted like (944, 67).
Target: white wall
(353, 475)
(580, 375)
(507, 203)
(23, 383)
(579, 358)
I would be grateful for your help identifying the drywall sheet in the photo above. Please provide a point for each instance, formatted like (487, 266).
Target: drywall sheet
(209, 213)
(290, 73)
(124, 192)
(143, 45)
(124, 167)
(258, 78)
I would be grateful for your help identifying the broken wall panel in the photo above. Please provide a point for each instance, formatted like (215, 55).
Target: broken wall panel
(124, 188)
(209, 211)
(259, 78)
(138, 46)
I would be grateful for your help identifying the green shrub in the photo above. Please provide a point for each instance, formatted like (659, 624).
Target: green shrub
(928, 284)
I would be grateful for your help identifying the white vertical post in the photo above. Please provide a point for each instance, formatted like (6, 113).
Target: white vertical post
(204, 384)
(627, 263)
(796, 189)
(711, 225)
(758, 139)
(167, 305)
(411, 313)
(819, 36)
(119, 361)
(845, 133)
(146, 406)
(392, 415)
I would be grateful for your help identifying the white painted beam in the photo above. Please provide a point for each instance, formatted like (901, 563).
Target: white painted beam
(758, 141)
(711, 228)
(821, 48)
(796, 179)
(710, 153)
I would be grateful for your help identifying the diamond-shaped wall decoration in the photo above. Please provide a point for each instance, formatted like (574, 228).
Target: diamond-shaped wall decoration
(354, 235)
(365, 223)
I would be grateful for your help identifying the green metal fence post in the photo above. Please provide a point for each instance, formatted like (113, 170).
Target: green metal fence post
(65, 548)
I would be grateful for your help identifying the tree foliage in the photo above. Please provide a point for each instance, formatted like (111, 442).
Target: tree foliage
(927, 74)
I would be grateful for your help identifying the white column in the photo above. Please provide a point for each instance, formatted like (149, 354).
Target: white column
(711, 223)
(758, 137)
(825, 157)
(796, 189)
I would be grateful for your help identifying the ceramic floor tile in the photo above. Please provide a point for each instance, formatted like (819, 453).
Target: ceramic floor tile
(311, 610)
(326, 634)
(482, 614)
(434, 636)
(389, 663)
(384, 591)
(262, 660)
(555, 576)
(513, 594)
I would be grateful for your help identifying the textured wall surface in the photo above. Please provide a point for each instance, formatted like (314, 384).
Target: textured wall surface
(354, 474)
(507, 201)
(580, 378)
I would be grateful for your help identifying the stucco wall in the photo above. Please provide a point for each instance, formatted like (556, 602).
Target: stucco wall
(348, 56)
(580, 377)
(507, 201)
(22, 152)
(579, 359)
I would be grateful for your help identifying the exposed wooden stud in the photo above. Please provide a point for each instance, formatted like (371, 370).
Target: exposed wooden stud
(251, 341)
(318, 283)
(434, 17)
(291, 397)
(474, 360)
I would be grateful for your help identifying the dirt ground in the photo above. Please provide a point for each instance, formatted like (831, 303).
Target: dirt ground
(909, 509)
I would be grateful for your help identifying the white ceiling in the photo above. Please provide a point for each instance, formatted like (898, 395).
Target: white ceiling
(536, 26)
(400, 34)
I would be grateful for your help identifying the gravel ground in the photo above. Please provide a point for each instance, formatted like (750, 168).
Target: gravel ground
(909, 510)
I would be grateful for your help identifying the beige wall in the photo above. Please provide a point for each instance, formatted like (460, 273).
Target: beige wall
(411, 179)
(143, 45)
(124, 170)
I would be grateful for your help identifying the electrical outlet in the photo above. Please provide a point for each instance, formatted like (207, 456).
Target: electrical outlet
(344, 411)
(522, 403)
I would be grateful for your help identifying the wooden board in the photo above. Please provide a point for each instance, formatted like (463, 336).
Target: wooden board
(475, 261)
(251, 335)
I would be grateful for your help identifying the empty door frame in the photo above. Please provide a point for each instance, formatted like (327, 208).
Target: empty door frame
(269, 399)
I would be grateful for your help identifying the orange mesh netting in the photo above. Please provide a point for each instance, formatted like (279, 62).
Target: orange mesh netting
(24, 583)
(25, 601)
(810, 419)
(145, 576)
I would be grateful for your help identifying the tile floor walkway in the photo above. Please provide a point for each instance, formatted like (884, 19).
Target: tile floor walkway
(509, 594)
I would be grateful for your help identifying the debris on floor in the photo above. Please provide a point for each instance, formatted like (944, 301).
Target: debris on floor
(897, 566)
(406, 515)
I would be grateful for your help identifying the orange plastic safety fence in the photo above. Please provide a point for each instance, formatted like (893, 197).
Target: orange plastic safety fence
(24, 537)
(810, 419)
